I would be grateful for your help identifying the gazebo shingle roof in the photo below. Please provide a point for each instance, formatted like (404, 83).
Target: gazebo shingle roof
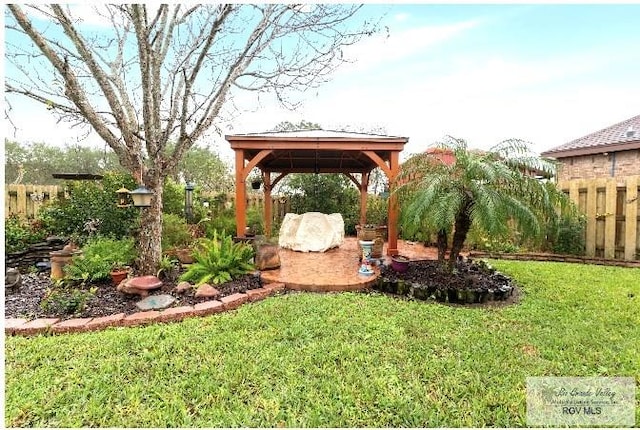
(319, 133)
(618, 137)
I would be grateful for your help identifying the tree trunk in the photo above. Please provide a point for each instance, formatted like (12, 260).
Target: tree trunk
(442, 245)
(462, 227)
(150, 233)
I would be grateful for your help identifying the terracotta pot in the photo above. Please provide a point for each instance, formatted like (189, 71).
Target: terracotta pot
(119, 275)
(399, 263)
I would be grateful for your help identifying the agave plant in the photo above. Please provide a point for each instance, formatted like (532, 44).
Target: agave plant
(219, 260)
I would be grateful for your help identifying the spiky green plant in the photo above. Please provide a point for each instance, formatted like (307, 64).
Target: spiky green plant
(219, 260)
(493, 190)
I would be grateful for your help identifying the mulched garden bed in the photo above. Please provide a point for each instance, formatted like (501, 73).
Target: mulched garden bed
(26, 303)
(471, 283)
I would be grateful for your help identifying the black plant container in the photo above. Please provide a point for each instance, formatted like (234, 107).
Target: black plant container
(420, 292)
(483, 296)
(402, 288)
(472, 296)
(452, 295)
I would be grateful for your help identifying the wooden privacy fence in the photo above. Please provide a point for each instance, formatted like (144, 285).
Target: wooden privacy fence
(612, 208)
(25, 200)
(279, 205)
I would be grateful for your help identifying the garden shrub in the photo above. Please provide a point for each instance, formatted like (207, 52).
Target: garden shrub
(169, 268)
(569, 237)
(482, 241)
(377, 210)
(219, 260)
(173, 201)
(326, 193)
(255, 220)
(91, 202)
(414, 233)
(65, 300)
(173, 198)
(99, 256)
(19, 234)
(175, 232)
(222, 219)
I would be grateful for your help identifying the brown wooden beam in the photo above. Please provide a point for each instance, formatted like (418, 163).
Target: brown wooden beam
(279, 178)
(255, 160)
(353, 179)
(380, 162)
(392, 210)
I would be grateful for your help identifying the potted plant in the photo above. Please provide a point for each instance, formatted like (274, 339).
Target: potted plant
(169, 269)
(119, 272)
(400, 263)
(256, 181)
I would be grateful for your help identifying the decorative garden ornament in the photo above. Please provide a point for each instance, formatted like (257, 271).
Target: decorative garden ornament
(367, 250)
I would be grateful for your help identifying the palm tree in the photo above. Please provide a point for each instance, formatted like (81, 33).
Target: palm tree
(491, 190)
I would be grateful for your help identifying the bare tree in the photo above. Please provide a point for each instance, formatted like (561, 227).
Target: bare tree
(150, 75)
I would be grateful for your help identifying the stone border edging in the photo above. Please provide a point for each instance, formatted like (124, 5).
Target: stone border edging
(554, 257)
(24, 327)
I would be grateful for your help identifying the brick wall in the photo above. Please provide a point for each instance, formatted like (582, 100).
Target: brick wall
(599, 165)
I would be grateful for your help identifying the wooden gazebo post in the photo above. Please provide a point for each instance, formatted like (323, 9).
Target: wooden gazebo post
(266, 180)
(364, 185)
(392, 210)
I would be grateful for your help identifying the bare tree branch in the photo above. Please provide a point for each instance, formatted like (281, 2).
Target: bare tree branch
(152, 80)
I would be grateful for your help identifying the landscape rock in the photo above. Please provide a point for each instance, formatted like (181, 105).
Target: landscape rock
(35, 253)
(183, 287)
(267, 257)
(206, 290)
(160, 301)
(12, 279)
(311, 231)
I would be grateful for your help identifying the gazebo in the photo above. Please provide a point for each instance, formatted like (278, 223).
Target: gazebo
(316, 151)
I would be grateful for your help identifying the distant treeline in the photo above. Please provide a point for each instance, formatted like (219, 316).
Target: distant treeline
(37, 162)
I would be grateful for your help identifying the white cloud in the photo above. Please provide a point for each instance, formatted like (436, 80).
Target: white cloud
(402, 44)
(401, 17)
(88, 14)
(484, 99)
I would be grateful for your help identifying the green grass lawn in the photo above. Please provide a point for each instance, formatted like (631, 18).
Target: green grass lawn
(335, 360)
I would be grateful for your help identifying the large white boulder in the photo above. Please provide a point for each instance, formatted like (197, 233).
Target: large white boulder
(311, 231)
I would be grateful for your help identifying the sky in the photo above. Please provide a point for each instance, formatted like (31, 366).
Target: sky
(544, 73)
